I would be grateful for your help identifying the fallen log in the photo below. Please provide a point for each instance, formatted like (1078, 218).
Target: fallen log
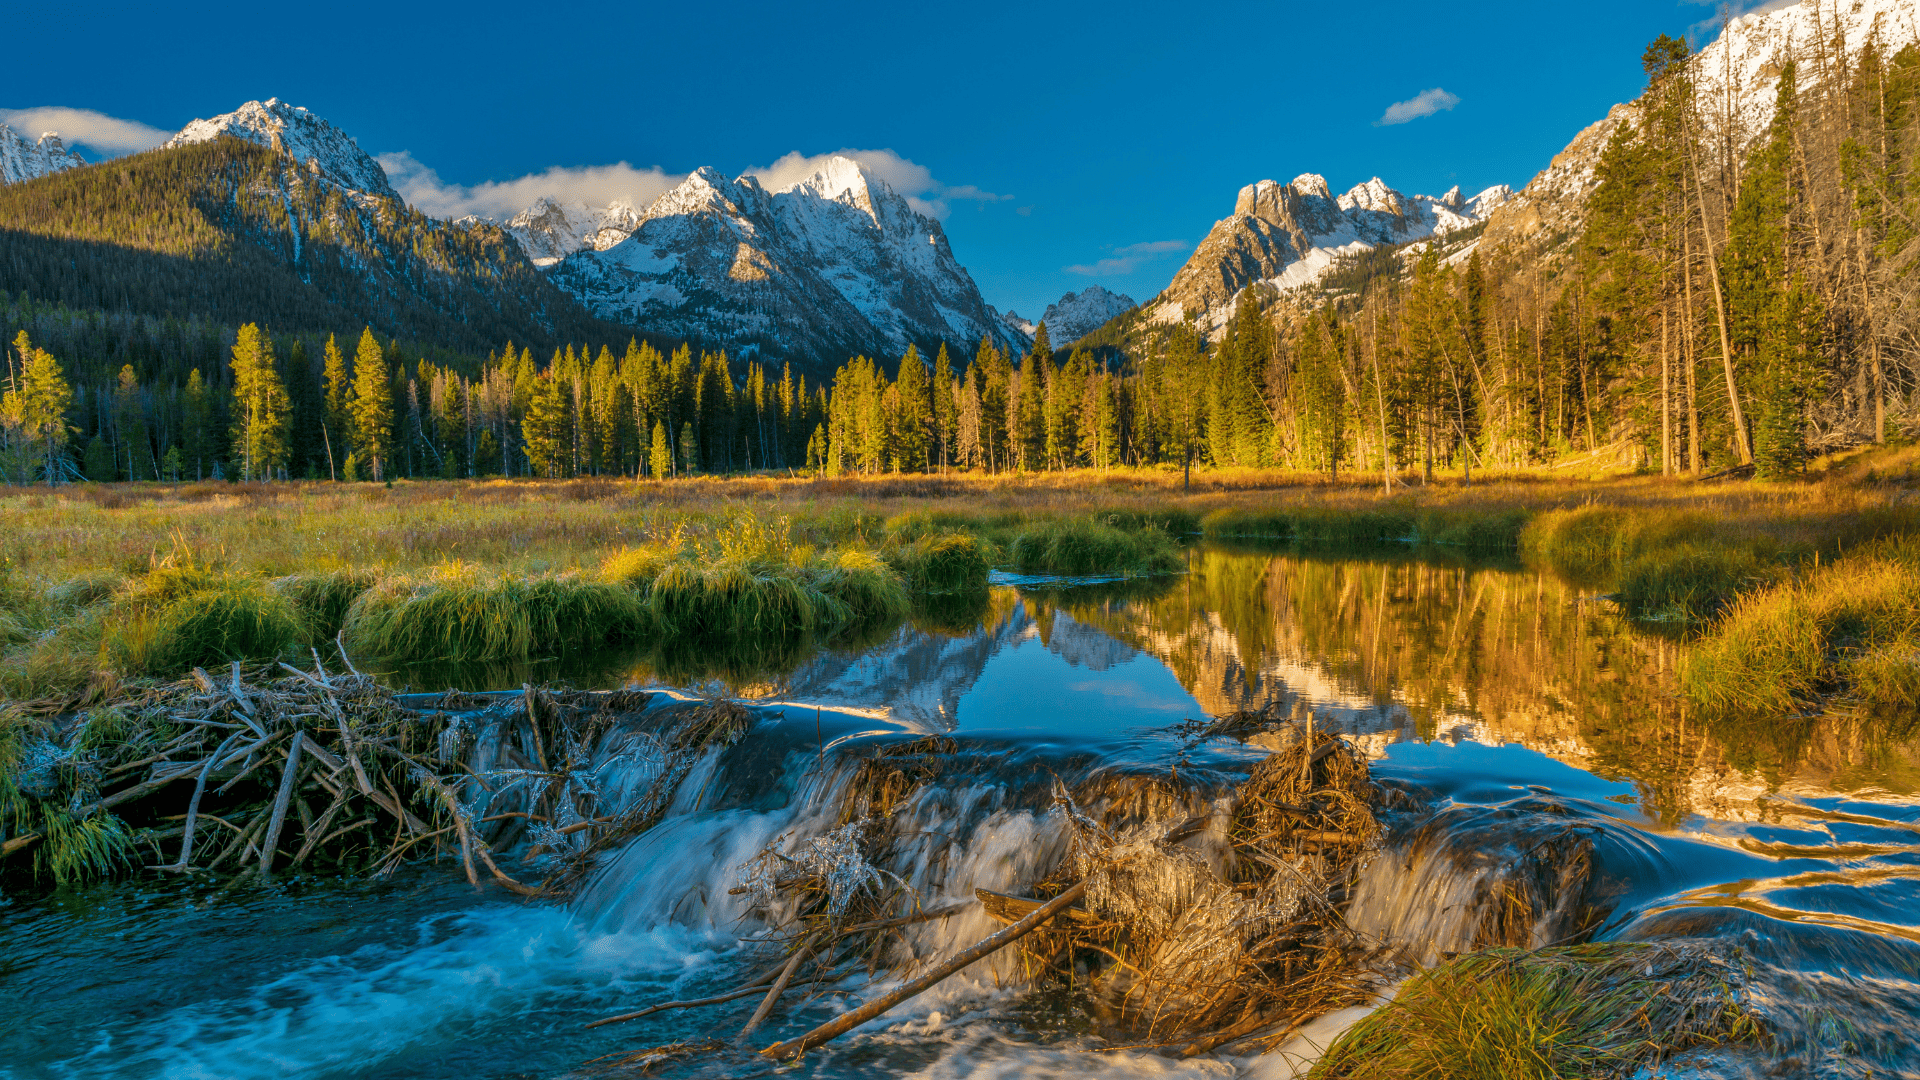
(833, 1029)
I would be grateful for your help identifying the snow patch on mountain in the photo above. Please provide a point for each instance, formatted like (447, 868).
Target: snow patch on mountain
(1288, 235)
(550, 230)
(1735, 78)
(829, 265)
(319, 147)
(23, 160)
(1078, 314)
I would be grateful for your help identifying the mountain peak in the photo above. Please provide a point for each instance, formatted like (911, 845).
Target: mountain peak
(23, 160)
(1080, 314)
(319, 147)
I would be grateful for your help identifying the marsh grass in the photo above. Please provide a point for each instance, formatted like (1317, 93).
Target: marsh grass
(1084, 546)
(941, 563)
(459, 611)
(1691, 584)
(322, 599)
(1511, 1014)
(1849, 629)
(70, 847)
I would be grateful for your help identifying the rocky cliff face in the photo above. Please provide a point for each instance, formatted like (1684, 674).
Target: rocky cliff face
(23, 160)
(1736, 76)
(1079, 314)
(1287, 235)
(831, 266)
(550, 231)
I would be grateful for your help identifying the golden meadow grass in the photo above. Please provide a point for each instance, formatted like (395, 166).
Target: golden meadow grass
(503, 569)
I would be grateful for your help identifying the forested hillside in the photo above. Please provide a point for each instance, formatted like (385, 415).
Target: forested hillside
(231, 232)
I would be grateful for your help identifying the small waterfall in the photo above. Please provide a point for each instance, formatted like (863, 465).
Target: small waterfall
(1470, 877)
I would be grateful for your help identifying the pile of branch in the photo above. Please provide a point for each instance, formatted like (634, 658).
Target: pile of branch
(282, 769)
(1212, 928)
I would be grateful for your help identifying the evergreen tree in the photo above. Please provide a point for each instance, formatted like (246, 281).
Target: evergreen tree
(336, 390)
(661, 463)
(945, 418)
(913, 413)
(372, 407)
(34, 414)
(197, 426)
(259, 407)
(544, 430)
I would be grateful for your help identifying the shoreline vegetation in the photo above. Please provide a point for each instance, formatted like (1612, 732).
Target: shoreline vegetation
(1796, 596)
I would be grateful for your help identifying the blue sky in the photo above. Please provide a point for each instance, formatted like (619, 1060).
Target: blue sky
(1065, 144)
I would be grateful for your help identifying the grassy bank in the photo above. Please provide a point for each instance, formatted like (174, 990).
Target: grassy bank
(106, 582)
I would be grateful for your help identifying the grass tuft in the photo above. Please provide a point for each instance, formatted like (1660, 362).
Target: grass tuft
(322, 599)
(232, 619)
(1081, 546)
(460, 612)
(941, 563)
(1689, 583)
(1511, 1014)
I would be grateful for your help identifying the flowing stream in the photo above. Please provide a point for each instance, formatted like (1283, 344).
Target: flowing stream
(1536, 733)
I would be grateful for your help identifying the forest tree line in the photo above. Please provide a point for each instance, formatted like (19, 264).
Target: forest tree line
(1734, 299)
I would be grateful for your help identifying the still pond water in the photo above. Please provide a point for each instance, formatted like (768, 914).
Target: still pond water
(1503, 696)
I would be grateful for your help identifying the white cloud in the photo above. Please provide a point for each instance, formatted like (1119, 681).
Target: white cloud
(599, 185)
(1425, 103)
(595, 185)
(1125, 260)
(93, 130)
(908, 179)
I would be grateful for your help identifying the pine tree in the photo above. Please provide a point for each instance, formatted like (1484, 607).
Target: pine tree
(945, 420)
(34, 412)
(913, 413)
(337, 389)
(372, 407)
(259, 407)
(661, 462)
(1319, 398)
(197, 426)
(544, 430)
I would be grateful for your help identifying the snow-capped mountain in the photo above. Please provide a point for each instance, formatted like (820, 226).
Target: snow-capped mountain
(1287, 235)
(551, 231)
(827, 267)
(1078, 314)
(319, 147)
(1735, 78)
(1021, 327)
(23, 160)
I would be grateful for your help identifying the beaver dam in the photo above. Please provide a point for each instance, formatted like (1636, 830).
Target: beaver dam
(1278, 816)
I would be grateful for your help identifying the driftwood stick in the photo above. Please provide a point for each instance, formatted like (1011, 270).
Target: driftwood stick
(340, 640)
(979, 950)
(533, 724)
(779, 987)
(279, 819)
(193, 807)
(717, 999)
(15, 844)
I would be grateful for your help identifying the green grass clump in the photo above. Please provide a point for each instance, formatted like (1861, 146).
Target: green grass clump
(916, 524)
(941, 563)
(233, 618)
(868, 590)
(460, 612)
(322, 599)
(1579, 1011)
(1174, 521)
(636, 567)
(1595, 542)
(1689, 583)
(691, 599)
(1843, 628)
(1477, 531)
(85, 589)
(70, 849)
(1392, 523)
(1080, 546)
